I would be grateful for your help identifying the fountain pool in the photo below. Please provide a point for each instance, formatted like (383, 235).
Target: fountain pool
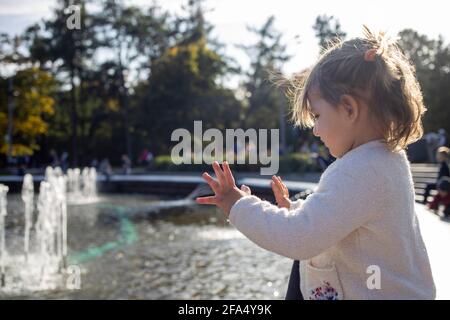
(138, 247)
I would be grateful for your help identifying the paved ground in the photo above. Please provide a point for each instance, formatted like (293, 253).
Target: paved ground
(436, 234)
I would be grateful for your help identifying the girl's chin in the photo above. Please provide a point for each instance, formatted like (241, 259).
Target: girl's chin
(334, 154)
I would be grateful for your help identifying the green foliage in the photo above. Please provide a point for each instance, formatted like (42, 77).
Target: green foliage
(265, 101)
(33, 103)
(182, 88)
(328, 30)
(432, 60)
(162, 73)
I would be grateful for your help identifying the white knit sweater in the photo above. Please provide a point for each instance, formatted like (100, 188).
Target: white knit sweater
(357, 235)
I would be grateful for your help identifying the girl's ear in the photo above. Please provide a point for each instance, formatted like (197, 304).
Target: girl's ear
(350, 107)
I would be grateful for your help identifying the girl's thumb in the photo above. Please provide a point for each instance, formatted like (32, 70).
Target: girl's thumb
(246, 189)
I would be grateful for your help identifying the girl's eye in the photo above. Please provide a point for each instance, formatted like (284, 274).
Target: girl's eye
(314, 116)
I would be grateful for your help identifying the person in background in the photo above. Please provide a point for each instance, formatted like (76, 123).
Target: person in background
(442, 156)
(105, 168)
(143, 157)
(126, 164)
(146, 158)
(64, 161)
(22, 163)
(94, 163)
(442, 198)
(442, 138)
(432, 139)
(149, 160)
(54, 160)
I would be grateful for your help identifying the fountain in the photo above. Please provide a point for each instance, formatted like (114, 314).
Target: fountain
(81, 186)
(3, 203)
(37, 260)
(89, 178)
(28, 200)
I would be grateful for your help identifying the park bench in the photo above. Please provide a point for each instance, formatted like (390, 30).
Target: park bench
(424, 173)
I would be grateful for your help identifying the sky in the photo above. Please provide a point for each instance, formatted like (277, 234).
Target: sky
(294, 18)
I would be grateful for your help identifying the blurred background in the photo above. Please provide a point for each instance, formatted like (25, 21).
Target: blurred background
(135, 71)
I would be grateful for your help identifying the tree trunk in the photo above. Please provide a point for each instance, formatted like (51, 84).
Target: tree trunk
(74, 118)
(125, 104)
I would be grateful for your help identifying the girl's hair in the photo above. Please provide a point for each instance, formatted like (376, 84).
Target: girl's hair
(374, 69)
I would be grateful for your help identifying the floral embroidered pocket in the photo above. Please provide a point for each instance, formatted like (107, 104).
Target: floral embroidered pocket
(322, 283)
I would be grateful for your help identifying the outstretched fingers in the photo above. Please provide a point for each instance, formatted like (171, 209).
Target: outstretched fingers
(211, 182)
(283, 186)
(276, 182)
(228, 174)
(277, 189)
(278, 186)
(219, 173)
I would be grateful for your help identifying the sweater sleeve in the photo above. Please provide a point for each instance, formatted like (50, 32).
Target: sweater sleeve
(340, 205)
(296, 204)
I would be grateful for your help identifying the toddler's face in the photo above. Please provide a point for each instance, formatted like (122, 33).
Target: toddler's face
(330, 125)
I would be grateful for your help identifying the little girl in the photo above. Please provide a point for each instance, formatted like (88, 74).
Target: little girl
(357, 236)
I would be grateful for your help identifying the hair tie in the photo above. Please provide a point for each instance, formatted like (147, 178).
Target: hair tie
(370, 55)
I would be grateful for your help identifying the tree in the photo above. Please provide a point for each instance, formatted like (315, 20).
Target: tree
(182, 88)
(327, 29)
(32, 93)
(192, 27)
(184, 84)
(119, 30)
(67, 52)
(25, 98)
(266, 104)
(431, 59)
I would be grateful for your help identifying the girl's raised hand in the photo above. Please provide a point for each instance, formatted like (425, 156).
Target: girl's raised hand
(225, 191)
(281, 192)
